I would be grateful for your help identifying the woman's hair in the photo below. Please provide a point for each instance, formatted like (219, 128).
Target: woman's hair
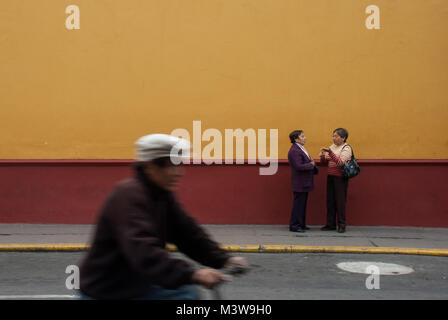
(343, 133)
(294, 135)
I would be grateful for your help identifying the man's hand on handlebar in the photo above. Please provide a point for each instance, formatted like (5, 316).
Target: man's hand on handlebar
(209, 278)
(236, 261)
(237, 265)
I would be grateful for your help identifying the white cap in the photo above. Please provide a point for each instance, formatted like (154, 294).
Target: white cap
(154, 146)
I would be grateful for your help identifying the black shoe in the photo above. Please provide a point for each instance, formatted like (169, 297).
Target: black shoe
(306, 228)
(341, 229)
(297, 230)
(327, 228)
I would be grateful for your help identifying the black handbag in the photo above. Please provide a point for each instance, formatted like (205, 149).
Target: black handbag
(315, 170)
(351, 169)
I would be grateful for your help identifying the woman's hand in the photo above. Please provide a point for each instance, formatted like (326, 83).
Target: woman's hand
(325, 149)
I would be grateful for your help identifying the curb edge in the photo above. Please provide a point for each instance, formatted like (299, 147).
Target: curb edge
(248, 248)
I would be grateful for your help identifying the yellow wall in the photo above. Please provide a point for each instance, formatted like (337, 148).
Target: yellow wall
(142, 66)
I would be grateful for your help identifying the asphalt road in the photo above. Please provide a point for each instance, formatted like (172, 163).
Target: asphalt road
(42, 275)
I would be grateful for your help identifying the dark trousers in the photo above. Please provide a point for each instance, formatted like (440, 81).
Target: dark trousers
(336, 200)
(298, 211)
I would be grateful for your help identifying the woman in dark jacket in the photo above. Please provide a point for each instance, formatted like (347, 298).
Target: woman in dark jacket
(302, 180)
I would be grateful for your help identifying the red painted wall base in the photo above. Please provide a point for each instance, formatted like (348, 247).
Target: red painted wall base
(387, 192)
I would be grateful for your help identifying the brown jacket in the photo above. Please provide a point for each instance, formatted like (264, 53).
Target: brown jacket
(128, 253)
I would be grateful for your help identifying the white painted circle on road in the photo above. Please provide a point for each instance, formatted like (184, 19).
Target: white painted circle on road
(384, 268)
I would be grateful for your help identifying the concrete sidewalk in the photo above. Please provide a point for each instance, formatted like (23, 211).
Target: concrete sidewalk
(249, 238)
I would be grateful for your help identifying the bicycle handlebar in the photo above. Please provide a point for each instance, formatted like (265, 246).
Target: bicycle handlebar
(234, 270)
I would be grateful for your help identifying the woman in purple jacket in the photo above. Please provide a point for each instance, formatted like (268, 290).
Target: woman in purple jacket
(302, 180)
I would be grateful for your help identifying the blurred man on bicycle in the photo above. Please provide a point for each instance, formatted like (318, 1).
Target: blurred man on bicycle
(128, 258)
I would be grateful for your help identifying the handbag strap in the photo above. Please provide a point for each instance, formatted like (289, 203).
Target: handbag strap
(353, 154)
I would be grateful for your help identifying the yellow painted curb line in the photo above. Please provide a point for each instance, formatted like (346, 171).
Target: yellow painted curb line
(240, 248)
(384, 250)
(44, 247)
(70, 247)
